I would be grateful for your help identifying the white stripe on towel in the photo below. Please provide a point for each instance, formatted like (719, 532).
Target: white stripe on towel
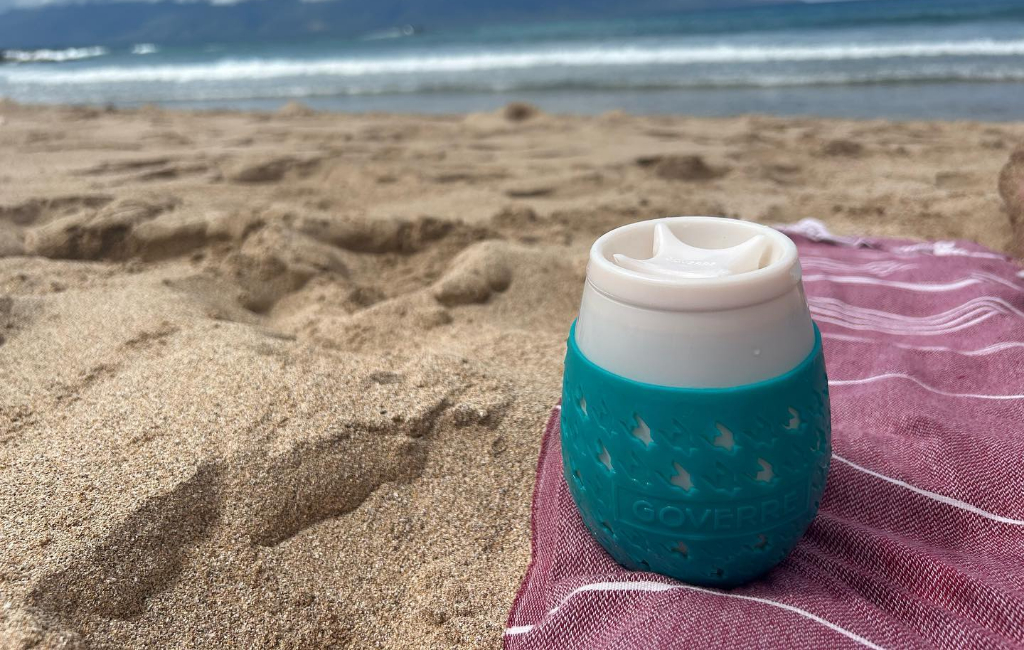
(824, 316)
(946, 248)
(900, 375)
(881, 267)
(972, 312)
(650, 586)
(923, 287)
(989, 349)
(941, 498)
(991, 303)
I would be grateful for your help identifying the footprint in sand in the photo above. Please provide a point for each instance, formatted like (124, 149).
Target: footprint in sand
(682, 167)
(366, 235)
(842, 148)
(269, 170)
(87, 235)
(41, 210)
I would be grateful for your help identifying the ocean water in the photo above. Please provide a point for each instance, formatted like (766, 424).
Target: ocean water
(899, 59)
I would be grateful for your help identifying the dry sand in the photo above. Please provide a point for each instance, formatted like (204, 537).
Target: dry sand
(279, 380)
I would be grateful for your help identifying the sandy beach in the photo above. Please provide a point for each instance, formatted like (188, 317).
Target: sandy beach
(279, 380)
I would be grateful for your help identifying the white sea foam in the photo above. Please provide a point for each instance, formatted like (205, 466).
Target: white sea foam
(53, 56)
(254, 69)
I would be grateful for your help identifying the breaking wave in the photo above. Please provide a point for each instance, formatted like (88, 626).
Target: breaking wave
(52, 56)
(578, 57)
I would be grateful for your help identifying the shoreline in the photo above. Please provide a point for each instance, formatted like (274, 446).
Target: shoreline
(950, 100)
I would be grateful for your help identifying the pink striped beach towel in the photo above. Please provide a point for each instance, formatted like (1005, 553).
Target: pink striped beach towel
(920, 537)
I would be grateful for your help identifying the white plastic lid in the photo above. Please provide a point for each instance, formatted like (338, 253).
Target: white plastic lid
(694, 302)
(694, 263)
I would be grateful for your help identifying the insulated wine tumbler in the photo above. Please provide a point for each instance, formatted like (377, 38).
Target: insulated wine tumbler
(696, 434)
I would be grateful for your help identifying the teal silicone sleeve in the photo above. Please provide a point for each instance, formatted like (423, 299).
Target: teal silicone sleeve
(712, 486)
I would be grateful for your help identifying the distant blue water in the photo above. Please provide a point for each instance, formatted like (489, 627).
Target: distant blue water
(895, 59)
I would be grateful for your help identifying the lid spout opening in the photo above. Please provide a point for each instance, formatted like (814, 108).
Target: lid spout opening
(673, 258)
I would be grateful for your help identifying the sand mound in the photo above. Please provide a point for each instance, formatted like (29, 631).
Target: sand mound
(475, 274)
(520, 111)
(1011, 189)
(295, 109)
